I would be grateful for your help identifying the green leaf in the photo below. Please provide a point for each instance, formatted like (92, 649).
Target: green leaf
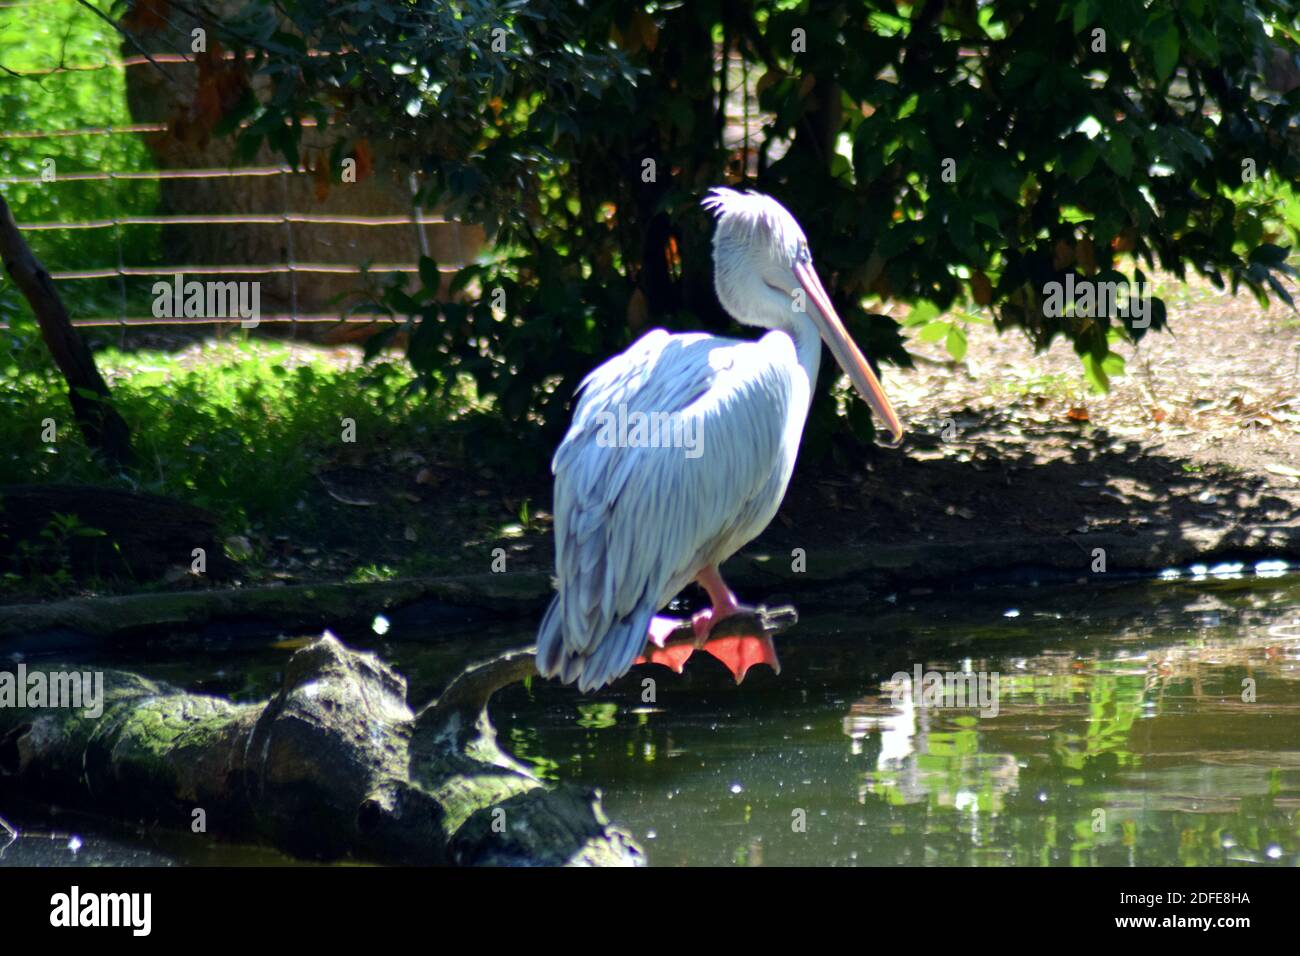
(1095, 372)
(1081, 162)
(1119, 155)
(934, 331)
(923, 313)
(1165, 49)
(956, 342)
(1083, 14)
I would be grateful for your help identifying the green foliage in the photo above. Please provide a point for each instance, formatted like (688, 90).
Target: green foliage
(238, 428)
(956, 152)
(46, 563)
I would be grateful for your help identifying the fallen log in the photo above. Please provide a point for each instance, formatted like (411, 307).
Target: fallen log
(297, 608)
(333, 766)
(122, 534)
(842, 576)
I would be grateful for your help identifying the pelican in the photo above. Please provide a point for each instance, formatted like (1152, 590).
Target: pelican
(642, 510)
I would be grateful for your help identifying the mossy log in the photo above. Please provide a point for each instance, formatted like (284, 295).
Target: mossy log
(336, 765)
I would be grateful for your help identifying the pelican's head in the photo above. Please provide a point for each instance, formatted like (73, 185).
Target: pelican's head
(763, 273)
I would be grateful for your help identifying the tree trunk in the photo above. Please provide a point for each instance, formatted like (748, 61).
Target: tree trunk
(104, 429)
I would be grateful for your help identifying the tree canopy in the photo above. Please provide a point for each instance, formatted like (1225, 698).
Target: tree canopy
(953, 154)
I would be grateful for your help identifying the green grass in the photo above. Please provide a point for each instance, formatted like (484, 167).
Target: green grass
(238, 427)
(371, 573)
(1052, 385)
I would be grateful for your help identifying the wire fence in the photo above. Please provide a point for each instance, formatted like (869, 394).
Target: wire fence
(316, 245)
(106, 247)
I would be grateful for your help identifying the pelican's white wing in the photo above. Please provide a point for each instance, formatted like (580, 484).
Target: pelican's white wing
(634, 524)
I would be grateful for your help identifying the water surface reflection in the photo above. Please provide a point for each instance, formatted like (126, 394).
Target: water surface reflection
(1147, 723)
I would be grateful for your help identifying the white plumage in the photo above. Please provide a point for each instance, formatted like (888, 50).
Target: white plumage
(635, 523)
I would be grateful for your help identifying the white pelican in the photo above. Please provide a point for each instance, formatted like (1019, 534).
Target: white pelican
(638, 518)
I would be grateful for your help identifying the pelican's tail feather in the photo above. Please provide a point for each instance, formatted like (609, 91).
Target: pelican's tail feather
(550, 640)
(613, 655)
(607, 660)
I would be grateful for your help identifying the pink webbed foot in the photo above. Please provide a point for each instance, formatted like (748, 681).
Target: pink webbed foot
(738, 652)
(659, 651)
(724, 605)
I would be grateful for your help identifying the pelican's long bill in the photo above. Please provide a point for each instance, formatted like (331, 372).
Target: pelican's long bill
(845, 351)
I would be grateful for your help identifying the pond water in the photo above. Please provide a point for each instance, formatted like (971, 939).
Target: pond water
(1151, 722)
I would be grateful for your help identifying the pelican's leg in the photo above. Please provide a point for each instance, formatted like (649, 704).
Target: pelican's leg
(661, 627)
(723, 601)
(739, 652)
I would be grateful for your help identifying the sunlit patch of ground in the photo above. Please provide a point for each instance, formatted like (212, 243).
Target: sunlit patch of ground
(1221, 387)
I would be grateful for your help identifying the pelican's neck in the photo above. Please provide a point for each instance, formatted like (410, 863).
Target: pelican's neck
(763, 305)
(807, 345)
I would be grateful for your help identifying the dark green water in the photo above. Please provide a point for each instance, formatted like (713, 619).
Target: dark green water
(1121, 736)
(1124, 734)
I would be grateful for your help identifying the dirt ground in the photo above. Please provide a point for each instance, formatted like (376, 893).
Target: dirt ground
(1204, 428)
(1202, 431)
